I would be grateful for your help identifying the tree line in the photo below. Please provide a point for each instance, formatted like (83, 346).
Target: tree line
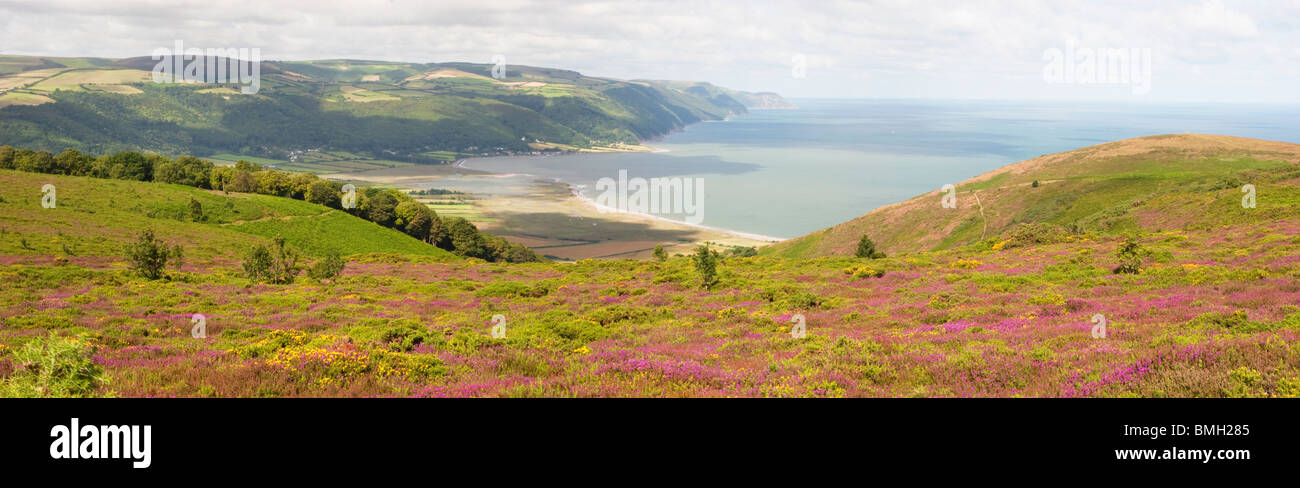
(387, 207)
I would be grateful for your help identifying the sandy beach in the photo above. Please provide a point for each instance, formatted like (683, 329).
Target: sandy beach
(551, 217)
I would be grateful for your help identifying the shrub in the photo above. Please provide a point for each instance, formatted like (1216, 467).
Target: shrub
(706, 264)
(278, 264)
(53, 366)
(742, 252)
(177, 256)
(328, 268)
(867, 249)
(196, 210)
(1130, 256)
(1033, 234)
(148, 255)
(660, 254)
(508, 289)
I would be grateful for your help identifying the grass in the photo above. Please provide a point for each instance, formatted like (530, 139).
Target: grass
(98, 217)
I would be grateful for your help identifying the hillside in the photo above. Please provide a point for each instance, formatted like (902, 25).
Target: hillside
(1210, 312)
(96, 217)
(1167, 182)
(375, 110)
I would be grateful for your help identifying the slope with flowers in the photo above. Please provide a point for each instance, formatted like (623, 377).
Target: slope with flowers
(1148, 183)
(1214, 311)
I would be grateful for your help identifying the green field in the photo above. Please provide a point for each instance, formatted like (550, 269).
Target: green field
(252, 159)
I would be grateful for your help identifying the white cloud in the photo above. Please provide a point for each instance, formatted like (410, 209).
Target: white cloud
(886, 48)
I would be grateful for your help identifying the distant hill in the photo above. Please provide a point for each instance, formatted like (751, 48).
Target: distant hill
(383, 110)
(1151, 183)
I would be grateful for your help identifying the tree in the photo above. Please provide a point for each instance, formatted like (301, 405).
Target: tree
(660, 254)
(867, 249)
(246, 166)
(706, 264)
(438, 233)
(1035, 185)
(414, 218)
(242, 182)
(36, 162)
(6, 157)
(73, 162)
(465, 239)
(300, 184)
(380, 207)
(322, 192)
(220, 177)
(419, 225)
(272, 182)
(148, 255)
(129, 165)
(185, 170)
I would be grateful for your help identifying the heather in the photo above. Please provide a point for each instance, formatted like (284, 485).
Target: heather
(1181, 292)
(1215, 315)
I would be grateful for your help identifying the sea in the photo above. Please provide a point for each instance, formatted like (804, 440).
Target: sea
(785, 173)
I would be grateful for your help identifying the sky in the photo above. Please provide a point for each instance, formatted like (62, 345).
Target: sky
(1199, 50)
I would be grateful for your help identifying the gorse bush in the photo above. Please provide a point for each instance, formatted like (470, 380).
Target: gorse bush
(53, 366)
(328, 268)
(277, 264)
(148, 255)
(1033, 234)
(1130, 255)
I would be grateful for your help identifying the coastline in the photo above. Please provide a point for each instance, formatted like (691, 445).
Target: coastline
(576, 193)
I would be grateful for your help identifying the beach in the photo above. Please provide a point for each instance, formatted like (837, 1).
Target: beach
(550, 216)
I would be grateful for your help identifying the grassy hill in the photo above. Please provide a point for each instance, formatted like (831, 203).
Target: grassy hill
(377, 110)
(1211, 310)
(97, 217)
(1167, 182)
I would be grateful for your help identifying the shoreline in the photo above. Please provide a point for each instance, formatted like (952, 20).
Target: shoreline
(575, 192)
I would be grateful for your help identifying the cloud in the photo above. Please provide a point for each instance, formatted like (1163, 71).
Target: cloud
(886, 48)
